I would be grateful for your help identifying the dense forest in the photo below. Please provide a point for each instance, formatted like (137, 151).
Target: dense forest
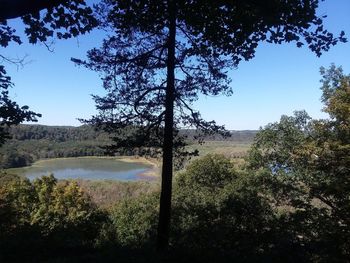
(33, 142)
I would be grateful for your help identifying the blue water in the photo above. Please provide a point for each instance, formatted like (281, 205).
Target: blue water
(87, 168)
(131, 175)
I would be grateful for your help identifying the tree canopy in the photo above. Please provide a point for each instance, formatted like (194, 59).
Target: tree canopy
(160, 55)
(305, 165)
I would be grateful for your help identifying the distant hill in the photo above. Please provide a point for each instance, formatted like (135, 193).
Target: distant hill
(32, 142)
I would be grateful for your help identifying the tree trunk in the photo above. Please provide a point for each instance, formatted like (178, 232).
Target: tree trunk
(167, 169)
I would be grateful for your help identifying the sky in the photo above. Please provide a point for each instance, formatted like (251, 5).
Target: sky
(278, 80)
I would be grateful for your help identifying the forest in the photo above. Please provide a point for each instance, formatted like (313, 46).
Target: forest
(30, 143)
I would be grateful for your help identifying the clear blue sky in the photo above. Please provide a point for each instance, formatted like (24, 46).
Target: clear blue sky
(279, 80)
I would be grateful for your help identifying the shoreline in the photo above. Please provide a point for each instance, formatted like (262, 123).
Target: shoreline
(153, 172)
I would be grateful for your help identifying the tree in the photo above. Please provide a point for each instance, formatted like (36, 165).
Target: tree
(219, 212)
(162, 54)
(134, 221)
(43, 216)
(64, 19)
(306, 164)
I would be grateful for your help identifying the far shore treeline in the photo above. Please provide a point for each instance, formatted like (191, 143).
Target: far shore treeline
(30, 143)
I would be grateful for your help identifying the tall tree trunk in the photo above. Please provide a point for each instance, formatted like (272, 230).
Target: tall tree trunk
(167, 169)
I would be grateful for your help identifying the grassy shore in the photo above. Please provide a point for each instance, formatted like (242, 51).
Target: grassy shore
(230, 149)
(153, 162)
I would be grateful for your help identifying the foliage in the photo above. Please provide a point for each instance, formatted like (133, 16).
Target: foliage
(64, 19)
(15, 199)
(135, 220)
(306, 167)
(218, 210)
(210, 172)
(46, 214)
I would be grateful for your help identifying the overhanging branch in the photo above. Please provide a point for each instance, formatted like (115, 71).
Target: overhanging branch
(17, 8)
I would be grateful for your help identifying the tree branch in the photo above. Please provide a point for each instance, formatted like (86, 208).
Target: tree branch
(17, 8)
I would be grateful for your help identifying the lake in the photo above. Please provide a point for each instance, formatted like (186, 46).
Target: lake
(90, 168)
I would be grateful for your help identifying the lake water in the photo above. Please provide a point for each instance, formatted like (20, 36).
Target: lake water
(87, 168)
